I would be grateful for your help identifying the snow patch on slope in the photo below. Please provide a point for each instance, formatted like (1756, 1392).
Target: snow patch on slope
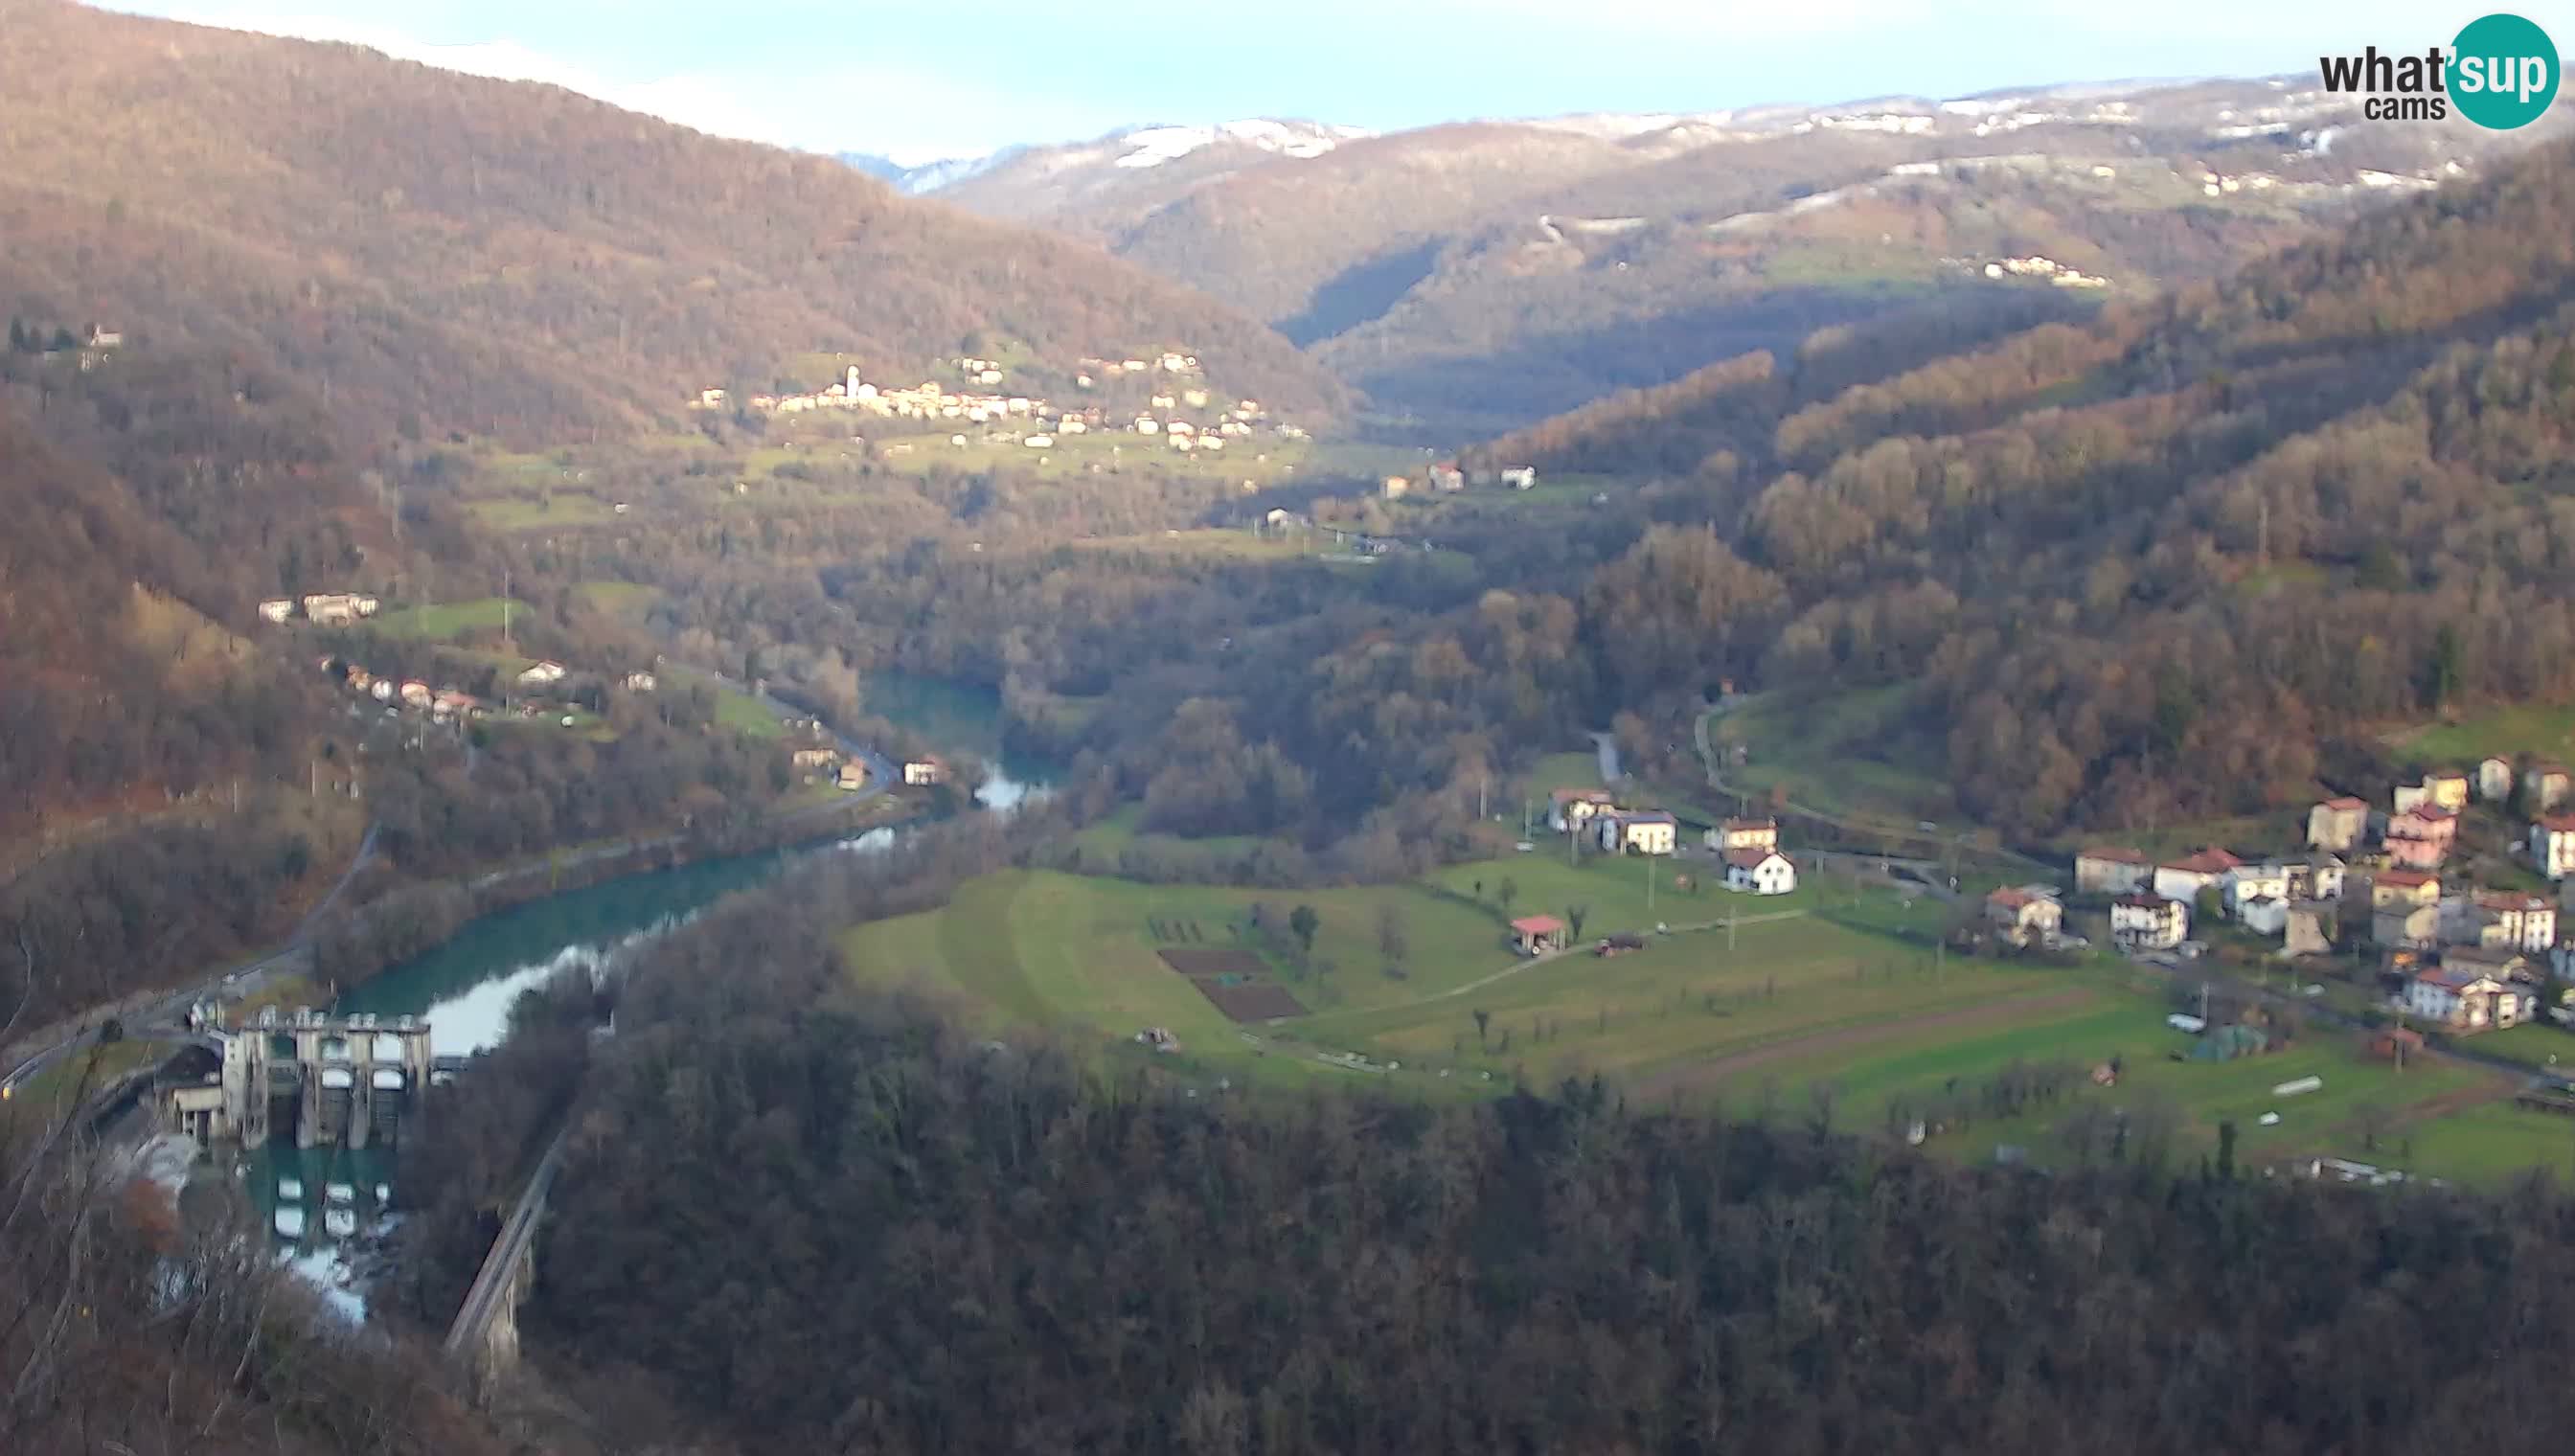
(1155, 145)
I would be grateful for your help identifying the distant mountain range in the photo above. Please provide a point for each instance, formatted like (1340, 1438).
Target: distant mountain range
(1474, 276)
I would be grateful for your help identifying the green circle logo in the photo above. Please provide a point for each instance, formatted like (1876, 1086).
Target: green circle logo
(2503, 72)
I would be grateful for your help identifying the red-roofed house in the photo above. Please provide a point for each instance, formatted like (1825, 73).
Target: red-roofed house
(2403, 886)
(1760, 872)
(2184, 879)
(1532, 934)
(2464, 998)
(2111, 870)
(2022, 917)
(2420, 837)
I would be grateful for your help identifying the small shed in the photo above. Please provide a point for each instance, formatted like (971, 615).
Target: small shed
(1533, 934)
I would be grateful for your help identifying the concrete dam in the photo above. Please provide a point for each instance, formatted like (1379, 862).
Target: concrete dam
(325, 1081)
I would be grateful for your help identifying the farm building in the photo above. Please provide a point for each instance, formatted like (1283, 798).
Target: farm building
(1534, 934)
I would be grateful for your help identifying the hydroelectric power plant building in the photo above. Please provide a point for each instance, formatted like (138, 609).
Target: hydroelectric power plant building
(326, 1081)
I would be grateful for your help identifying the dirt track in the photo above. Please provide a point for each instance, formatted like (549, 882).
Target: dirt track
(1681, 1080)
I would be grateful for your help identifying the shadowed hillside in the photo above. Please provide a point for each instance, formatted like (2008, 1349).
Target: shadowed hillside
(451, 252)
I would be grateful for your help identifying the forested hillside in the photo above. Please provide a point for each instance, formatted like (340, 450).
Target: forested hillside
(1021, 1255)
(2141, 565)
(455, 253)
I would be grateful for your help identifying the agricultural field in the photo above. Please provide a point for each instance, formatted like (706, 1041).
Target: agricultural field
(1256, 459)
(542, 512)
(1832, 998)
(444, 623)
(735, 708)
(2536, 728)
(2533, 1044)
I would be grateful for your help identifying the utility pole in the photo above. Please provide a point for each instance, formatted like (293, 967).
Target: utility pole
(1482, 786)
(507, 644)
(1649, 882)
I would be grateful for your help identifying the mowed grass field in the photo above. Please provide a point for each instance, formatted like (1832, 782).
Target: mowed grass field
(2537, 729)
(444, 623)
(1833, 986)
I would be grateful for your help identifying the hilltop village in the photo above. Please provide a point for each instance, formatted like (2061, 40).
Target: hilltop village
(1180, 413)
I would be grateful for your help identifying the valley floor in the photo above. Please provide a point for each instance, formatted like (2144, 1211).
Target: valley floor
(1830, 1004)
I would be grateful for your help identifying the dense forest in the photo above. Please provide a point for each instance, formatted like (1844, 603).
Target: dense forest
(460, 254)
(128, 1328)
(2140, 566)
(810, 1215)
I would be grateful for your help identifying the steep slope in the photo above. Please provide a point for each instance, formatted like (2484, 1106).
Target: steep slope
(508, 259)
(2150, 567)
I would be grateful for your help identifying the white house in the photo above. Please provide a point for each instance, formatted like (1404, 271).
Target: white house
(1760, 872)
(2523, 921)
(641, 682)
(2246, 882)
(277, 610)
(2552, 846)
(2021, 915)
(2184, 879)
(2111, 870)
(540, 675)
(2494, 779)
(329, 609)
(1521, 478)
(1645, 832)
(2148, 922)
(2466, 1000)
(2263, 915)
(922, 772)
(1574, 808)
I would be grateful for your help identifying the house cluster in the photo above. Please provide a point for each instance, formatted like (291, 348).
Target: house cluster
(2152, 900)
(2459, 956)
(1042, 421)
(1449, 478)
(1748, 848)
(818, 762)
(322, 609)
(448, 704)
(444, 705)
(1595, 815)
(1753, 864)
(2047, 268)
(1170, 363)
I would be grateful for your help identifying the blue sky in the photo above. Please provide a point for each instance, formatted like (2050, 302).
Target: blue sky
(921, 81)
